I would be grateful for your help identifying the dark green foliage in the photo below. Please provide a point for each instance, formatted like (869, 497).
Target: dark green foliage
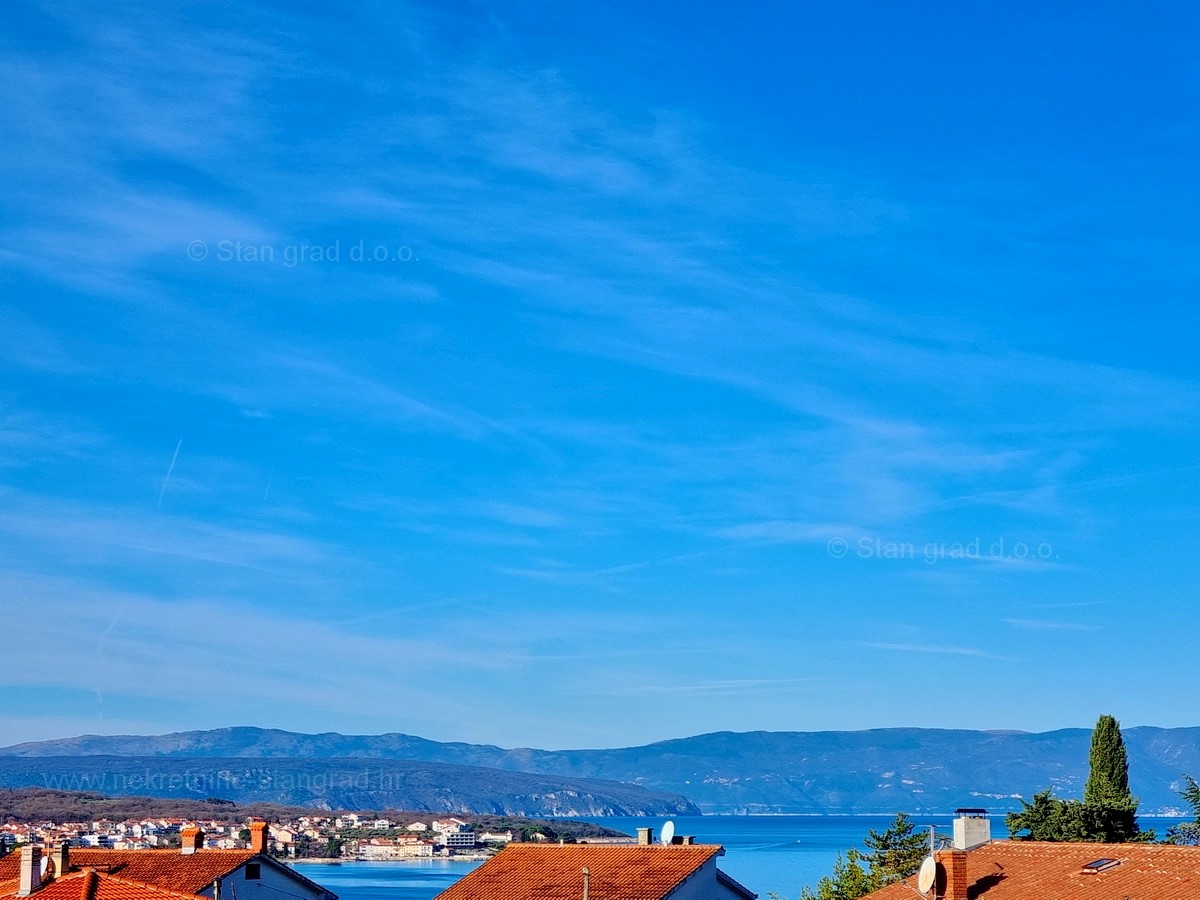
(850, 880)
(1191, 794)
(1108, 761)
(1108, 812)
(1048, 818)
(896, 852)
(1188, 833)
(1185, 834)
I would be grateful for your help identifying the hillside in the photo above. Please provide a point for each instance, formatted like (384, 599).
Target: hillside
(29, 805)
(343, 783)
(34, 804)
(795, 772)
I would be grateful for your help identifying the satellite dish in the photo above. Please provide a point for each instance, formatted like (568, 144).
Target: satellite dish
(668, 832)
(46, 866)
(927, 875)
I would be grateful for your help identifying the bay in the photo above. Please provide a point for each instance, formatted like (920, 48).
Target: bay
(418, 879)
(767, 854)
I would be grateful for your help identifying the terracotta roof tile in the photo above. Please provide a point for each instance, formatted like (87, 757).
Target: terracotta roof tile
(555, 872)
(92, 885)
(167, 869)
(1032, 870)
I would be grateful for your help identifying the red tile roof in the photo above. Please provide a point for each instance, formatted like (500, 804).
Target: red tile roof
(555, 872)
(1032, 870)
(167, 869)
(92, 885)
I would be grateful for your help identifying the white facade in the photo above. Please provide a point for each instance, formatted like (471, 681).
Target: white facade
(387, 850)
(274, 881)
(494, 837)
(707, 883)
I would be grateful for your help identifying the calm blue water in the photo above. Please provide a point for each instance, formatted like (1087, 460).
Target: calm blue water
(418, 879)
(765, 853)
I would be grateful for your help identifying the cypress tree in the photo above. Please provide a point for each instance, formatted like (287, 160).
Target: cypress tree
(1108, 780)
(1109, 807)
(1108, 813)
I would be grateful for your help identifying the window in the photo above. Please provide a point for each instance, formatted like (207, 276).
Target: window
(253, 871)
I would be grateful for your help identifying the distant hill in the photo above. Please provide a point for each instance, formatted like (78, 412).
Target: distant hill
(881, 770)
(343, 783)
(40, 804)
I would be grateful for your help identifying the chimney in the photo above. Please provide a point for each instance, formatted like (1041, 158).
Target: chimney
(62, 859)
(688, 840)
(31, 870)
(971, 828)
(191, 839)
(646, 836)
(258, 836)
(952, 875)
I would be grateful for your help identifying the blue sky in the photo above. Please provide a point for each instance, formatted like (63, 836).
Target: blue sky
(560, 376)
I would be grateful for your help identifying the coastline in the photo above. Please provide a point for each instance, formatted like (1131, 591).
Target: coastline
(337, 861)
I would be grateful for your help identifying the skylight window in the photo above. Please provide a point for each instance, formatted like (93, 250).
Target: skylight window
(1099, 865)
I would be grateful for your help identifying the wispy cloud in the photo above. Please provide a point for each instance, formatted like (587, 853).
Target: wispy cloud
(1046, 625)
(935, 649)
(623, 353)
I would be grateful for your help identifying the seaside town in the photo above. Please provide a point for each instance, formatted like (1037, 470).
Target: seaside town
(161, 859)
(1097, 848)
(346, 836)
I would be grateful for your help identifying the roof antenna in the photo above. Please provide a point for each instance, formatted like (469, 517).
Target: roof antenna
(927, 875)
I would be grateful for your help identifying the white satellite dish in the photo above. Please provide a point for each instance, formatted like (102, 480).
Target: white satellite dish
(927, 875)
(46, 866)
(668, 832)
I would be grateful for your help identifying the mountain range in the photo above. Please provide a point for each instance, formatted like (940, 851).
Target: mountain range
(824, 772)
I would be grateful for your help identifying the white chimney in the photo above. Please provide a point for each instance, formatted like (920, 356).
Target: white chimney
(972, 827)
(31, 870)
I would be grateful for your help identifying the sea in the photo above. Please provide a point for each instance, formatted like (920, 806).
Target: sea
(767, 854)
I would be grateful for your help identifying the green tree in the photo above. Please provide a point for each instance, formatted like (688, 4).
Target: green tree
(1111, 808)
(1108, 772)
(1188, 833)
(1108, 813)
(896, 852)
(1048, 818)
(850, 880)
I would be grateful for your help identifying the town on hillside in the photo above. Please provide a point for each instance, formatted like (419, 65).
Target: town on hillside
(351, 836)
